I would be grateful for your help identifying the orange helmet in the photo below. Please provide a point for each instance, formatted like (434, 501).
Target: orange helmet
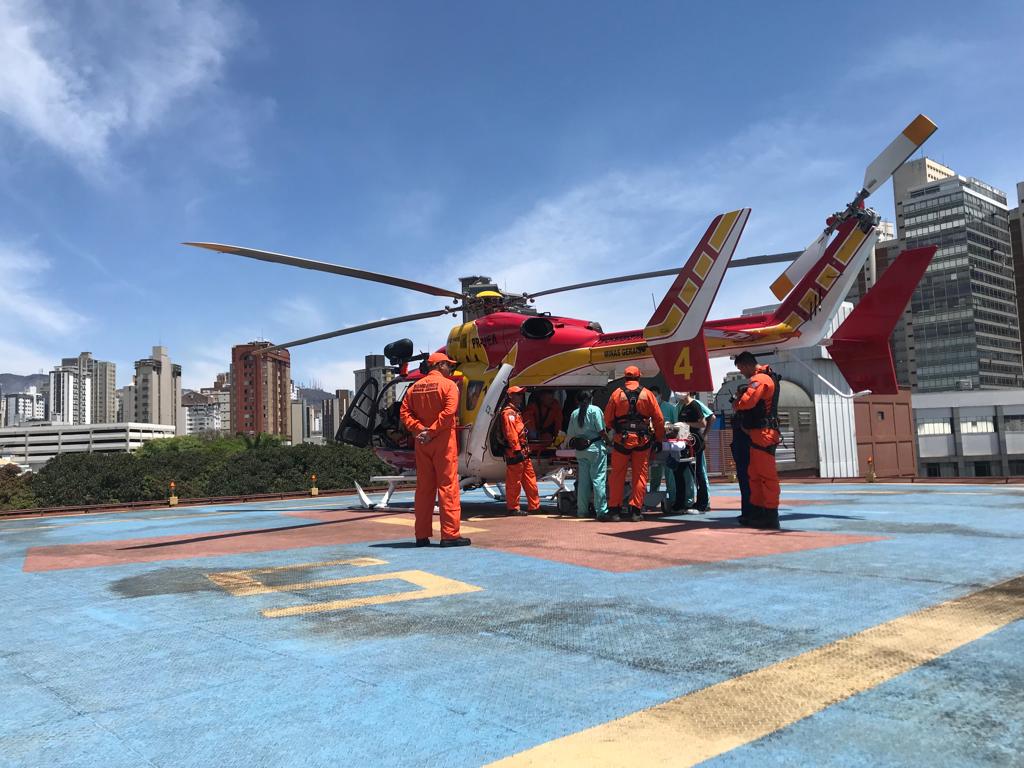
(632, 372)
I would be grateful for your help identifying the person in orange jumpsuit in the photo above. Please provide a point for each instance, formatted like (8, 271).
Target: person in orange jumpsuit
(758, 407)
(518, 467)
(430, 412)
(543, 418)
(633, 413)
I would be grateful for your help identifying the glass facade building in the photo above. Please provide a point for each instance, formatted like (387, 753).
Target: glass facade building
(964, 328)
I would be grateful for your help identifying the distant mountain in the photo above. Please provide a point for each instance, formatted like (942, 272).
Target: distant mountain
(12, 382)
(314, 397)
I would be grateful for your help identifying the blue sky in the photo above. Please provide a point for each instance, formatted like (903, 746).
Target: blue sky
(540, 143)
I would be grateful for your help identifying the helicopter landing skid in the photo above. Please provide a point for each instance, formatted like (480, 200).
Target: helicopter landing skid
(391, 480)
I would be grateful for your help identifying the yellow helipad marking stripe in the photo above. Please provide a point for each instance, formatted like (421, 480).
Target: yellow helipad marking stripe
(715, 720)
(409, 522)
(430, 585)
(244, 583)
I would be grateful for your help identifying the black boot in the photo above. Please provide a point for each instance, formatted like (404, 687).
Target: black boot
(635, 514)
(611, 517)
(769, 519)
(749, 516)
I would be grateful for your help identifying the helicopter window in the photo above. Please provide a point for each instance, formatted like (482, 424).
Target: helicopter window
(537, 328)
(473, 390)
(388, 430)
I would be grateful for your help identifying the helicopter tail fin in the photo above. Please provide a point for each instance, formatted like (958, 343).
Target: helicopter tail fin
(860, 346)
(675, 332)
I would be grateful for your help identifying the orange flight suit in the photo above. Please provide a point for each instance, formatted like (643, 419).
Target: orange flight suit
(546, 421)
(632, 450)
(520, 473)
(432, 404)
(764, 475)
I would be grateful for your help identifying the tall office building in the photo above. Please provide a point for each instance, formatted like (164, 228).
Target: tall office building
(70, 397)
(964, 331)
(158, 390)
(260, 390)
(1017, 246)
(102, 389)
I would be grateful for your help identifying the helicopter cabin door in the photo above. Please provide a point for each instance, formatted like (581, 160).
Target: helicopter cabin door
(361, 417)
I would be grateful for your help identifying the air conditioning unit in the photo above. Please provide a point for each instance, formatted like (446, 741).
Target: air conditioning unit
(965, 384)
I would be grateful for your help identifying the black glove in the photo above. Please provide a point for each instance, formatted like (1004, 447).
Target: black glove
(657, 448)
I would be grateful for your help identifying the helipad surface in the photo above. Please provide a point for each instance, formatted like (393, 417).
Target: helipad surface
(881, 627)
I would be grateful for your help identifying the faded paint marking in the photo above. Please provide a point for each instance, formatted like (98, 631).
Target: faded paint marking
(722, 717)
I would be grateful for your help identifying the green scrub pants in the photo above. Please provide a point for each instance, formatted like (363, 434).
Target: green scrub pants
(592, 480)
(657, 470)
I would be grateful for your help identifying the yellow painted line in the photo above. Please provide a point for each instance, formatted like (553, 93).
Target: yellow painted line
(409, 522)
(244, 583)
(430, 585)
(722, 717)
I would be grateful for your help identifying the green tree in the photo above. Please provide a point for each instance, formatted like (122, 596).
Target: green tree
(15, 488)
(199, 468)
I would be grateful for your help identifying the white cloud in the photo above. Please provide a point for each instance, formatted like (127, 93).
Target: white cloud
(25, 304)
(908, 55)
(34, 324)
(303, 315)
(80, 77)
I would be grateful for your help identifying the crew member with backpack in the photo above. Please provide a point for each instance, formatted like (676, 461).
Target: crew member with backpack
(633, 413)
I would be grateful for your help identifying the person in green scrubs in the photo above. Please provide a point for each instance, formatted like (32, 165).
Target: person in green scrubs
(671, 414)
(586, 433)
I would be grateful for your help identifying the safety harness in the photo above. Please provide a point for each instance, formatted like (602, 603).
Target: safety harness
(763, 416)
(498, 437)
(633, 422)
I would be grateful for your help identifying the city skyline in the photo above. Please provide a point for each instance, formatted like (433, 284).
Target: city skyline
(531, 153)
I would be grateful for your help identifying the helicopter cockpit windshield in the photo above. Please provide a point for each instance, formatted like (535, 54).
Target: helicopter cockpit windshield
(373, 417)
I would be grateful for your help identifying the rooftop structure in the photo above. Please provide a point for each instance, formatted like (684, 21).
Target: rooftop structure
(36, 444)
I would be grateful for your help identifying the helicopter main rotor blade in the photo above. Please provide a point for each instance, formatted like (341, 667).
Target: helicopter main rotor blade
(750, 261)
(893, 156)
(323, 266)
(356, 329)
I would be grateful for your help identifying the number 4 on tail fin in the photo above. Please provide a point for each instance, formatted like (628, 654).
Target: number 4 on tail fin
(675, 333)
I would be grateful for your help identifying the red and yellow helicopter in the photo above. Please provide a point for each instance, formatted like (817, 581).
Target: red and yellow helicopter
(508, 342)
